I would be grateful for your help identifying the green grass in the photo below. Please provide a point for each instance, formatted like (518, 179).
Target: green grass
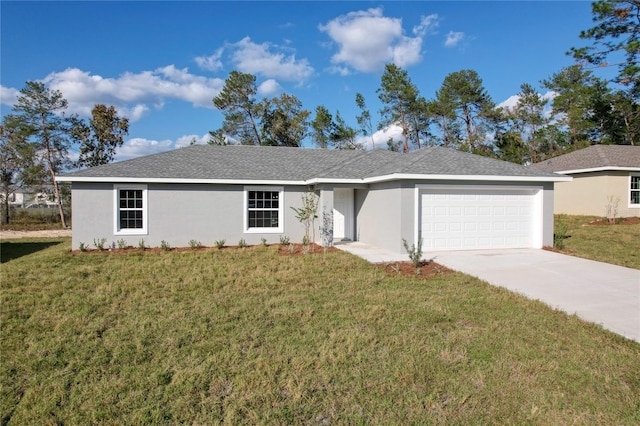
(615, 244)
(252, 337)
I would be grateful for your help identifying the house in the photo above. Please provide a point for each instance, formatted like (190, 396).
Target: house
(450, 199)
(605, 178)
(29, 197)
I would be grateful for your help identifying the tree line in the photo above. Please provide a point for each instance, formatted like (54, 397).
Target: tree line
(583, 110)
(36, 139)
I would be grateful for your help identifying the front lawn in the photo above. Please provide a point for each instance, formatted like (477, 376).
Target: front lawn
(616, 244)
(250, 336)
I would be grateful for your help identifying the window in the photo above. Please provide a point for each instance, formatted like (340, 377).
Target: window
(634, 191)
(131, 209)
(263, 209)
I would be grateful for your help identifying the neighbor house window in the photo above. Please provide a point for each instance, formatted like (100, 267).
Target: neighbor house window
(131, 209)
(263, 211)
(634, 191)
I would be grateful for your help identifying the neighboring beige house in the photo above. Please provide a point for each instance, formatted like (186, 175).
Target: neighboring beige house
(606, 181)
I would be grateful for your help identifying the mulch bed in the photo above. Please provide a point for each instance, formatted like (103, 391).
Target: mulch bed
(426, 269)
(619, 221)
(285, 250)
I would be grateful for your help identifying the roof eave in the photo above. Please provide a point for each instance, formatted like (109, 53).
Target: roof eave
(315, 181)
(496, 178)
(599, 169)
(104, 179)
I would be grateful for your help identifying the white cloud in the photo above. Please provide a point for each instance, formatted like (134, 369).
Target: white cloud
(137, 147)
(133, 94)
(510, 102)
(269, 61)
(428, 25)
(8, 95)
(381, 137)
(212, 62)
(368, 40)
(453, 38)
(187, 140)
(269, 87)
(343, 71)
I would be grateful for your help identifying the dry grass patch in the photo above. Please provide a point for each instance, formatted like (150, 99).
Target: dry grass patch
(250, 336)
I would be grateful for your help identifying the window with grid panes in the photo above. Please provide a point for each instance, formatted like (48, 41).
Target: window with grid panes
(634, 191)
(131, 209)
(131, 204)
(263, 209)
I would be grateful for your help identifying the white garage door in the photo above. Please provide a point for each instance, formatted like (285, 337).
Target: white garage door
(467, 219)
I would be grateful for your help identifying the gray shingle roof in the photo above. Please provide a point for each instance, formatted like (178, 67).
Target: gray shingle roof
(296, 164)
(592, 157)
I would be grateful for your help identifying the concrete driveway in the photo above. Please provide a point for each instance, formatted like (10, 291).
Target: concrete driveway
(598, 292)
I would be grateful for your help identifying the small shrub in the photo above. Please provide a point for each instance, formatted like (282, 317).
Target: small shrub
(263, 241)
(611, 208)
(83, 247)
(220, 243)
(141, 245)
(242, 243)
(284, 240)
(560, 235)
(165, 245)
(122, 243)
(99, 243)
(194, 244)
(305, 240)
(415, 253)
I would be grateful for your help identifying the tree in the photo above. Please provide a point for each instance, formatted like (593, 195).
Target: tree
(237, 101)
(625, 120)
(442, 110)
(217, 137)
(342, 135)
(321, 127)
(41, 110)
(17, 155)
(573, 104)
(284, 122)
(617, 31)
(525, 121)
(101, 137)
(463, 94)
(364, 119)
(398, 95)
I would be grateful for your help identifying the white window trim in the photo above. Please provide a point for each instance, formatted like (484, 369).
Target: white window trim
(116, 210)
(631, 206)
(245, 211)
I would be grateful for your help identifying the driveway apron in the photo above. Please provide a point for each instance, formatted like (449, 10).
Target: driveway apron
(598, 292)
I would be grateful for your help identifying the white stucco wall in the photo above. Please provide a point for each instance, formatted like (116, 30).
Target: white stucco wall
(178, 214)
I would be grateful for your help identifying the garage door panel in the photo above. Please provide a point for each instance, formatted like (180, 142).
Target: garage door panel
(476, 219)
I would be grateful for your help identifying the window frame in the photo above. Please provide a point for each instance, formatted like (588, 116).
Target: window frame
(280, 210)
(116, 207)
(631, 190)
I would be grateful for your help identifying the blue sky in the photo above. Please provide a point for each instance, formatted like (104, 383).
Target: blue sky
(161, 63)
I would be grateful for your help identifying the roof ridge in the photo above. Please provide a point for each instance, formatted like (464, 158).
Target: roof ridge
(601, 154)
(419, 153)
(341, 165)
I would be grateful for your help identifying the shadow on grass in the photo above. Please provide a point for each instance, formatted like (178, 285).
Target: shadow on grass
(15, 249)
